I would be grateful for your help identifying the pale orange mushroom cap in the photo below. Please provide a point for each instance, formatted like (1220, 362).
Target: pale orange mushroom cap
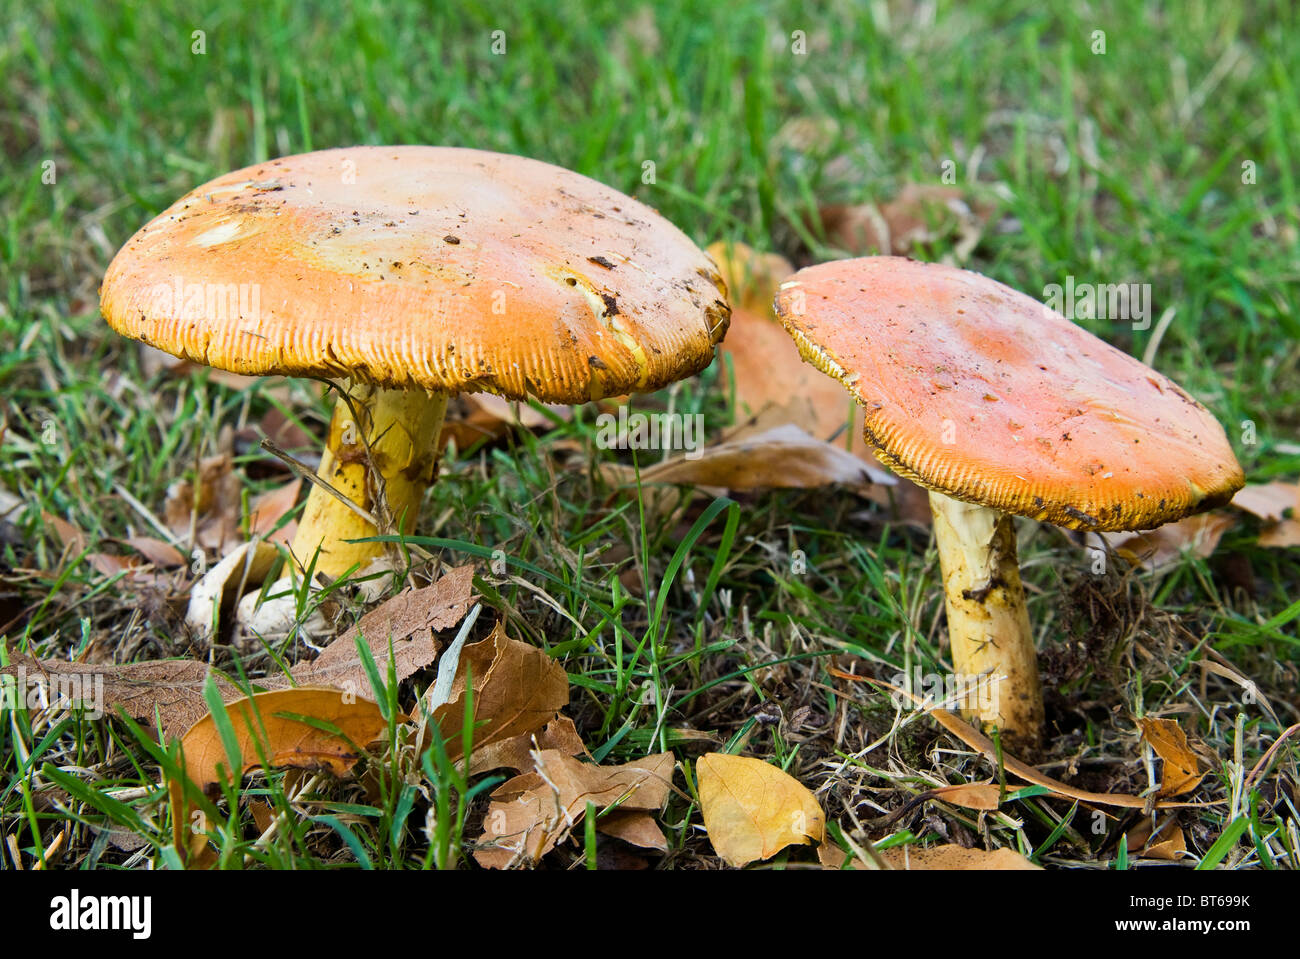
(449, 269)
(978, 391)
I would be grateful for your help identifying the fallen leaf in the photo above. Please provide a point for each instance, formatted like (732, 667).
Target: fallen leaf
(1283, 535)
(769, 372)
(775, 386)
(1269, 501)
(784, 457)
(1181, 771)
(290, 437)
(631, 826)
(954, 857)
(411, 620)
(110, 564)
(982, 796)
(1165, 546)
(920, 214)
(134, 570)
(1278, 505)
(212, 503)
(266, 727)
(73, 539)
(156, 551)
(1170, 849)
(634, 827)
(832, 856)
(472, 417)
(1168, 843)
(168, 692)
(516, 687)
(765, 362)
(263, 815)
(515, 753)
(530, 814)
(752, 810)
(267, 509)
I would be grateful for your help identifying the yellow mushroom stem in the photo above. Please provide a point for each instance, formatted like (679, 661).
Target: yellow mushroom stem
(993, 652)
(400, 428)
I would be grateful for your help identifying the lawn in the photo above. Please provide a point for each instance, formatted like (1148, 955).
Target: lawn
(1112, 145)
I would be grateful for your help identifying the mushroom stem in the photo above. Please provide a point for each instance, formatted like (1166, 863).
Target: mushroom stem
(401, 429)
(993, 652)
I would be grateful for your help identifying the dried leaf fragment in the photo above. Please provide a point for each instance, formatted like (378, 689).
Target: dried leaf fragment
(752, 278)
(921, 213)
(954, 857)
(1269, 501)
(408, 620)
(168, 691)
(266, 510)
(781, 457)
(981, 796)
(517, 689)
(1181, 771)
(530, 814)
(211, 502)
(1165, 546)
(1167, 843)
(515, 753)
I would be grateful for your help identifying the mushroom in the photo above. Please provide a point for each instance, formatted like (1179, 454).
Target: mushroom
(1000, 406)
(404, 275)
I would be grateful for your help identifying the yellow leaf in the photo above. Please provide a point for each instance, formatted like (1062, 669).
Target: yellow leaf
(752, 810)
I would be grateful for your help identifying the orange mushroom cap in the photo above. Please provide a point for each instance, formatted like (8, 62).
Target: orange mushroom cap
(450, 269)
(977, 391)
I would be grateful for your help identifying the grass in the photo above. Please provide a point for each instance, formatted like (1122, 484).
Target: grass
(1118, 167)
